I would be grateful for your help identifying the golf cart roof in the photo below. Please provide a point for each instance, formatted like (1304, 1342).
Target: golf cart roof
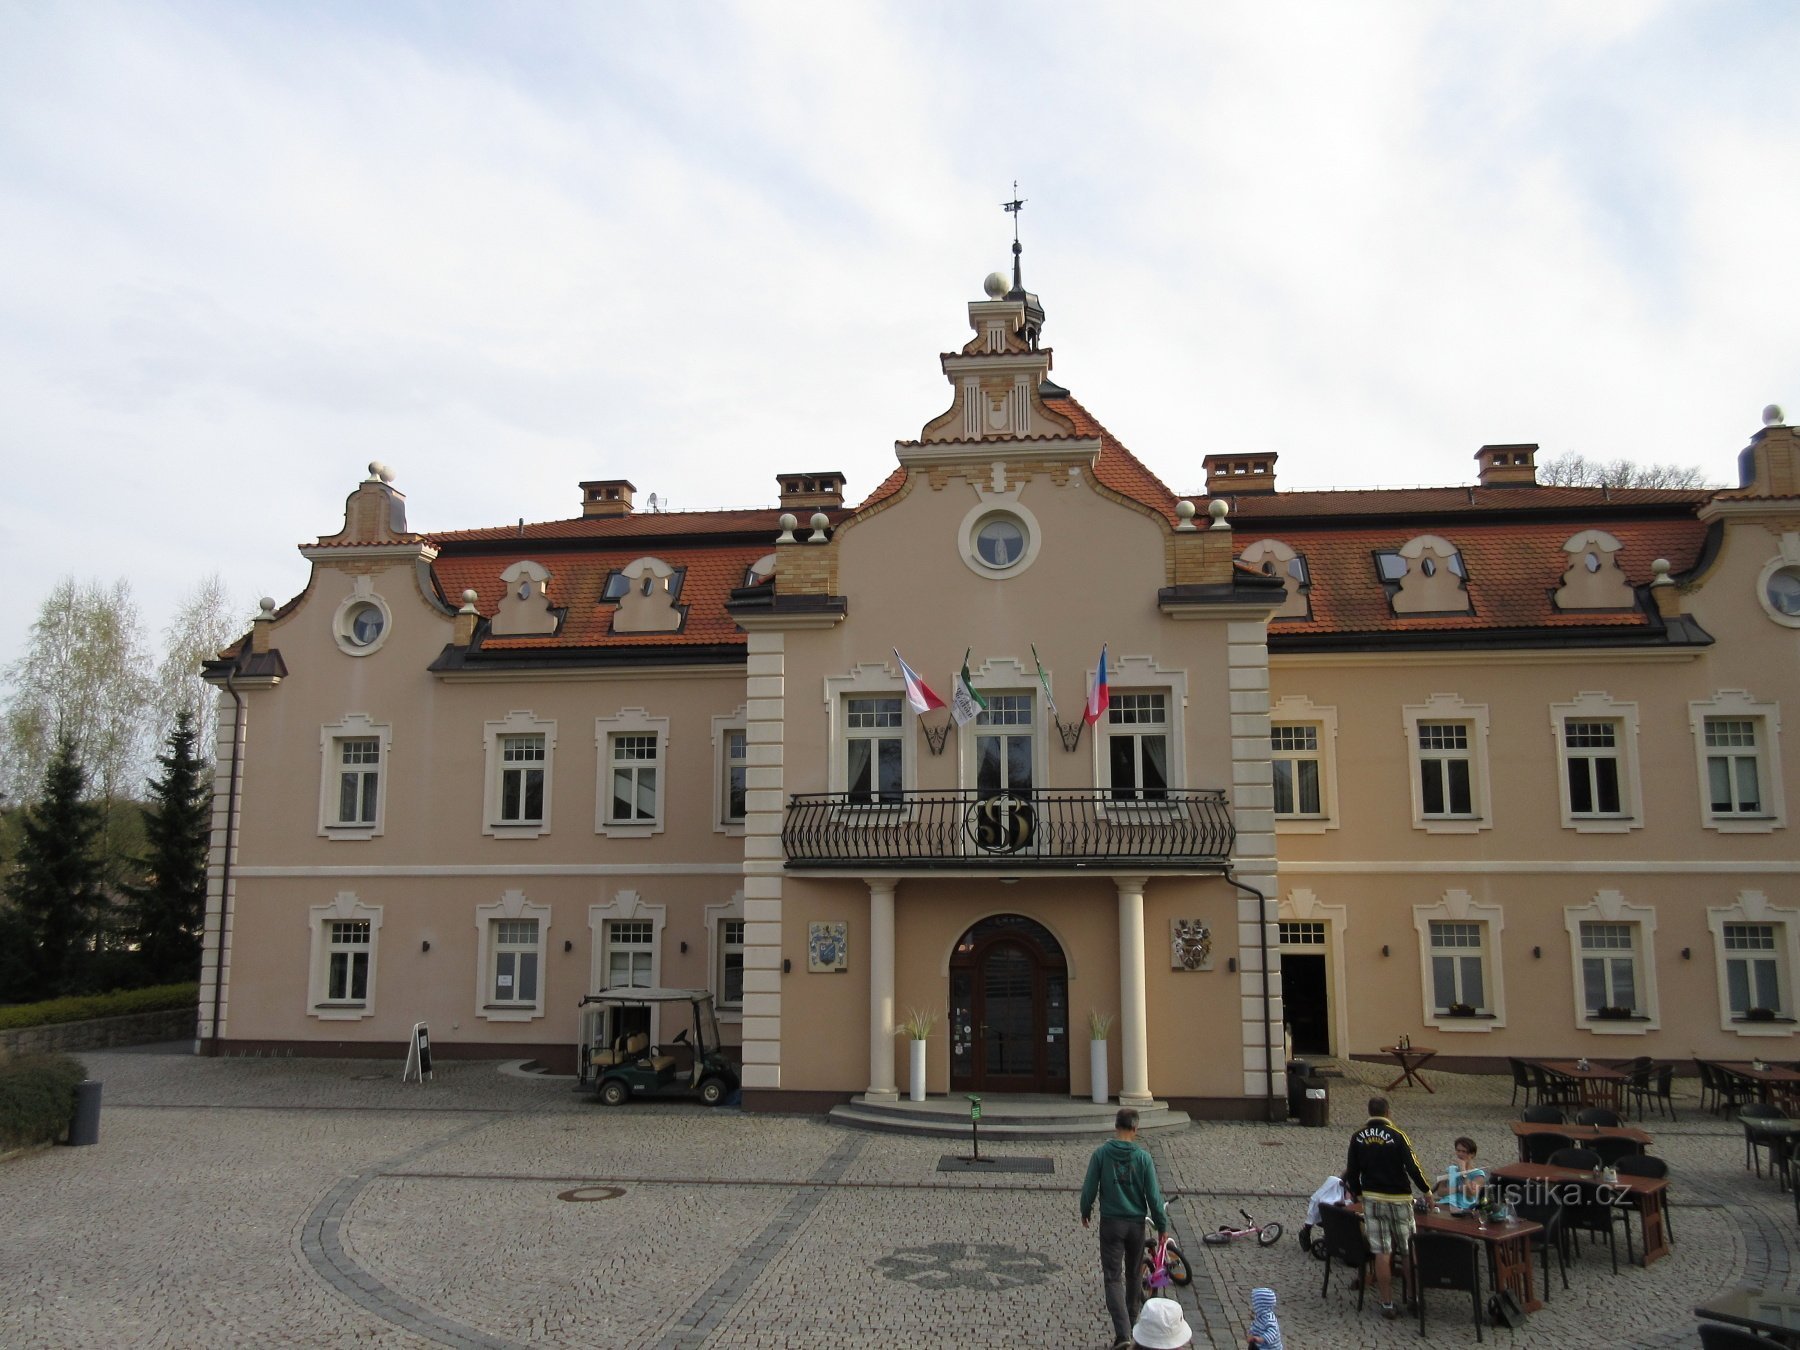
(629, 994)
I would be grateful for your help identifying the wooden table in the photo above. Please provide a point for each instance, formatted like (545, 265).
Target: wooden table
(1596, 1085)
(1581, 1134)
(1770, 1311)
(1508, 1247)
(1410, 1058)
(1771, 1083)
(1649, 1195)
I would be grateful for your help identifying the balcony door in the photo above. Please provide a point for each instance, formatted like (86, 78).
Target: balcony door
(1009, 1008)
(1005, 774)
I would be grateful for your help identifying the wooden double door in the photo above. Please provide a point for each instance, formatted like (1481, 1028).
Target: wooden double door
(1009, 1009)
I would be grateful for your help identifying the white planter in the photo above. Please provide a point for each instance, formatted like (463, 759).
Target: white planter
(1097, 1070)
(918, 1071)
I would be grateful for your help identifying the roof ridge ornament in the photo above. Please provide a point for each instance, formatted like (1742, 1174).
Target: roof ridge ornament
(1012, 208)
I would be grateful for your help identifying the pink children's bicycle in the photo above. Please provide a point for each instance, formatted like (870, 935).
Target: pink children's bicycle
(1267, 1234)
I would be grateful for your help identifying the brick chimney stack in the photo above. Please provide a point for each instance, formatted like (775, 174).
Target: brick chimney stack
(807, 492)
(1508, 465)
(607, 497)
(1239, 474)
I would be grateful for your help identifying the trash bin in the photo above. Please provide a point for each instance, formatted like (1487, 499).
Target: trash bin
(84, 1124)
(1315, 1102)
(1298, 1071)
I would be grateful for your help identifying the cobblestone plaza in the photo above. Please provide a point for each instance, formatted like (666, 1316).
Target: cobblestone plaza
(324, 1203)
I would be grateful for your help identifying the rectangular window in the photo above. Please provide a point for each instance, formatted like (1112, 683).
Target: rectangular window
(1137, 746)
(634, 778)
(1444, 778)
(515, 947)
(1294, 749)
(1732, 777)
(731, 963)
(1609, 966)
(1752, 967)
(872, 742)
(359, 779)
(522, 780)
(1302, 934)
(737, 771)
(1458, 956)
(630, 945)
(347, 961)
(1592, 757)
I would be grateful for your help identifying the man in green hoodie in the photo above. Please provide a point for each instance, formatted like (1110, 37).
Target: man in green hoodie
(1122, 1174)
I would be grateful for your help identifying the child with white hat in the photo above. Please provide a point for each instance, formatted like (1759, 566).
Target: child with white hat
(1160, 1326)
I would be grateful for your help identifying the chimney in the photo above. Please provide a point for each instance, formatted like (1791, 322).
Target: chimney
(607, 497)
(1508, 465)
(1226, 474)
(811, 491)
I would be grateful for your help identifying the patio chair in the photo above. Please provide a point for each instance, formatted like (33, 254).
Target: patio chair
(1731, 1090)
(1664, 1090)
(1548, 1215)
(1347, 1244)
(1537, 1147)
(1709, 1086)
(1642, 1165)
(1521, 1074)
(1598, 1115)
(1592, 1216)
(1443, 1261)
(1611, 1150)
(1576, 1158)
(1554, 1087)
(1718, 1336)
(1754, 1140)
(1543, 1115)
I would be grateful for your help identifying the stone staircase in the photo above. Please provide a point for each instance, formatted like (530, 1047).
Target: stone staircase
(1020, 1116)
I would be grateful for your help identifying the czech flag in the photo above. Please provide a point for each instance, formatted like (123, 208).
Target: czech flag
(918, 693)
(1098, 693)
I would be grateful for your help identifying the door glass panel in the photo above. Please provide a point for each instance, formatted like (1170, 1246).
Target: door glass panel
(962, 1028)
(1056, 1028)
(1008, 1046)
(987, 764)
(1018, 763)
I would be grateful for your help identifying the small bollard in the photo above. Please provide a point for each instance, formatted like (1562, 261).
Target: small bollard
(84, 1123)
(975, 1129)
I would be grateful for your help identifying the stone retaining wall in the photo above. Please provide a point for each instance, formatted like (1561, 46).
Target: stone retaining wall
(172, 1024)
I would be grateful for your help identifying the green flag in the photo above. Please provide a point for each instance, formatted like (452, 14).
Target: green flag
(1043, 679)
(965, 704)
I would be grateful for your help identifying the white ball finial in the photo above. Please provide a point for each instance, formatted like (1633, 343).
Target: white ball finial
(788, 520)
(1218, 509)
(996, 285)
(267, 606)
(1772, 416)
(1184, 515)
(385, 473)
(469, 599)
(374, 470)
(1660, 570)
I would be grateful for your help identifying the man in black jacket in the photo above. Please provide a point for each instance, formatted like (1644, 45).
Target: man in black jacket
(1383, 1171)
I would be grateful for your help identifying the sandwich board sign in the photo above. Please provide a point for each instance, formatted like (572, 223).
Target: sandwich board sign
(418, 1055)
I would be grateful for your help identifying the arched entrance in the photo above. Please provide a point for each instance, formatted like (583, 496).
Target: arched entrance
(1009, 1008)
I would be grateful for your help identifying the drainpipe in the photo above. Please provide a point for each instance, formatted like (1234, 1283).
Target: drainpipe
(1262, 933)
(231, 799)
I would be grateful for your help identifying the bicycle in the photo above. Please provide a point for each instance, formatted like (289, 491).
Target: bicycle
(1175, 1266)
(1267, 1234)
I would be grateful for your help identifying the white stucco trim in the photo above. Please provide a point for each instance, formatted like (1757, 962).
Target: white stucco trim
(1610, 906)
(1737, 703)
(1458, 906)
(1599, 706)
(628, 722)
(627, 907)
(1140, 675)
(346, 908)
(1298, 708)
(716, 915)
(737, 720)
(1754, 907)
(1301, 905)
(518, 722)
(354, 726)
(510, 905)
(1450, 708)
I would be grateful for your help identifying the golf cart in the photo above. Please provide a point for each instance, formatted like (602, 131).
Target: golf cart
(625, 1064)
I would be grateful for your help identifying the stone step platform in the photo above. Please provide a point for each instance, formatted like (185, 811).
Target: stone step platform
(1003, 1116)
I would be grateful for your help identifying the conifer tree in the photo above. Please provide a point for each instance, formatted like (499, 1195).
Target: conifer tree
(167, 907)
(56, 885)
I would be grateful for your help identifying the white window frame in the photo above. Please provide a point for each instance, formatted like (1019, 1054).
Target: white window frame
(1787, 558)
(627, 907)
(1596, 706)
(1738, 705)
(1610, 906)
(1753, 907)
(1302, 905)
(723, 728)
(717, 916)
(630, 722)
(1008, 678)
(1297, 709)
(332, 738)
(511, 906)
(519, 722)
(1450, 708)
(869, 680)
(346, 908)
(1142, 675)
(1459, 906)
(362, 593)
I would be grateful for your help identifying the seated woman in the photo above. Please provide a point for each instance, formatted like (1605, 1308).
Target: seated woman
(1462, 1186)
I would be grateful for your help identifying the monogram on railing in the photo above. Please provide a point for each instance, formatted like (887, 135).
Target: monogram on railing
(1009, 830)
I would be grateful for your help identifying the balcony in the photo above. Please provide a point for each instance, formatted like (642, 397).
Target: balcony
(1009, 832)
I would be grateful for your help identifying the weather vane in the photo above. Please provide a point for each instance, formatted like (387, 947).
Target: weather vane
(1013, 208)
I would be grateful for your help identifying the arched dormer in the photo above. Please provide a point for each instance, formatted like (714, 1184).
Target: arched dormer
(1279, 560)
(1425, 575)
(646, 592)
(525, 609)
(1593, 579)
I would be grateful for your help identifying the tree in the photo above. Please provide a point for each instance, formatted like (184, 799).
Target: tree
(56, 886)
(166, 910)
(81, 678)
(1577, 470)
(206, 622)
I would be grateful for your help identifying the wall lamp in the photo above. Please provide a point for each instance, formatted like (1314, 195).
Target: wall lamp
(1537, 953)
(684, 947)
(1687, 953)
(568, 944)
(1231, 964)
(1384, 950)
(787, 966)
(425, 946)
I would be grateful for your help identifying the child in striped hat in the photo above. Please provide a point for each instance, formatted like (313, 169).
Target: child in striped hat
(1265, 1331)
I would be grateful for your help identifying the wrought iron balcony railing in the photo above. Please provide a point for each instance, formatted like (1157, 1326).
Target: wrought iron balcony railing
(1009, 831)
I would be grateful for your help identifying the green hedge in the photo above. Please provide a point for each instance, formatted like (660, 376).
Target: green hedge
(87, 1007)
(37, 1097)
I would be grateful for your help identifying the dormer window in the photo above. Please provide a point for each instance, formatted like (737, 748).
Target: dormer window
(1279, 560)
(760, 571)
(618, 585)
(1425, 575)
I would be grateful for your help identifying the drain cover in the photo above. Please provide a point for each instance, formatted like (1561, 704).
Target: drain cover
(951, 1163)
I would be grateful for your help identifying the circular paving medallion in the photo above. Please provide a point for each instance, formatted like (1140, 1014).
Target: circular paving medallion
(989, 1266)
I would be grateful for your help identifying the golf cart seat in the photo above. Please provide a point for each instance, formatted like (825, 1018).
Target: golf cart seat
(662, 1063)
(633, 1049)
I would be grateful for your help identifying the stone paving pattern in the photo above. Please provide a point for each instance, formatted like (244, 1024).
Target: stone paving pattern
(324, 1203)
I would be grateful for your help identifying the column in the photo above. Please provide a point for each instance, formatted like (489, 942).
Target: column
(881, 993)
(1134, 1042)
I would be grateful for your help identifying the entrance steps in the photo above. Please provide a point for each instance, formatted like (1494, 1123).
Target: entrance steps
(1003, 1116)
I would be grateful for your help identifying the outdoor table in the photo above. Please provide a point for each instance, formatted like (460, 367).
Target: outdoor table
(1596, 1084)
(1769, 1311)
(1770, 1083)
(1508, 1247)
(1410, 1058)
(1649, 1193)
(1585, 1134)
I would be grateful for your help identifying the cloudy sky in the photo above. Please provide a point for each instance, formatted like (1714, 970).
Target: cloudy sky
(504, 248)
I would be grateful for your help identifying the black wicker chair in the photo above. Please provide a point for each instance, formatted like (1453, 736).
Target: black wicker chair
(1443, 1261)
(1347, 1244)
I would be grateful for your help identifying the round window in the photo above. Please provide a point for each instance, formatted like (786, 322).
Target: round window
(364, 624)
(1000, 541)
(1784, 591)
